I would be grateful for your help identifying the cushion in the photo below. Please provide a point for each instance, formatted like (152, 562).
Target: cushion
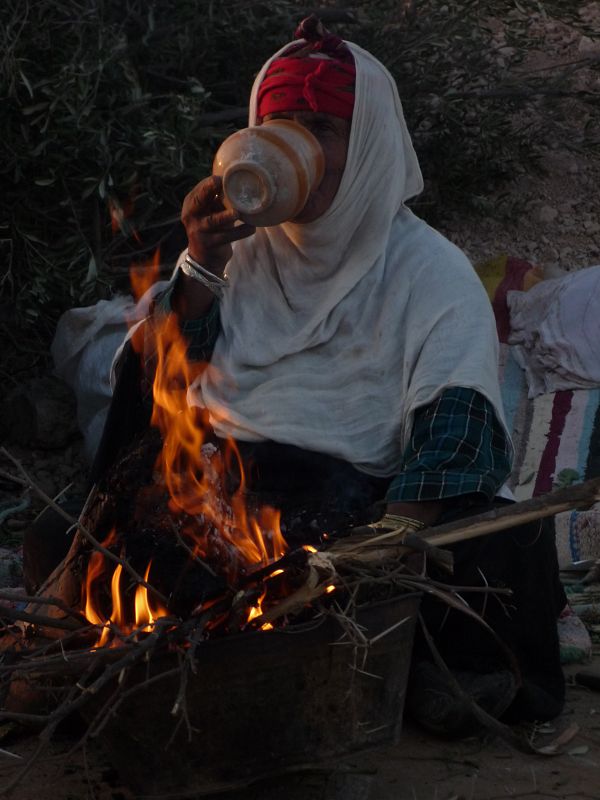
(556, 435)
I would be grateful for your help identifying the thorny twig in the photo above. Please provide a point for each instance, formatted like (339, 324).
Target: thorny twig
(189, 665)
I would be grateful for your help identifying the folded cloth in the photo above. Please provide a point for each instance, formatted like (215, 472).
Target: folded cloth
(555, 332)
(83, 349)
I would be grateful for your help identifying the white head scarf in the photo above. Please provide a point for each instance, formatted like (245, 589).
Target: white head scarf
(335, 331)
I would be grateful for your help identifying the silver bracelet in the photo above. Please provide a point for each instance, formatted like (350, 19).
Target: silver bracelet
(206, 272)
(193, 269)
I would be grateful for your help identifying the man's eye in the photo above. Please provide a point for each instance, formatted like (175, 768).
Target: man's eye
(322, 127)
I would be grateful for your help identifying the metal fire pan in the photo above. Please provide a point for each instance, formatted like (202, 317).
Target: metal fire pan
(266, 702)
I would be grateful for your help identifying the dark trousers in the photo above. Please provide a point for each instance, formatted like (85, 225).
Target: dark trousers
(524, 560)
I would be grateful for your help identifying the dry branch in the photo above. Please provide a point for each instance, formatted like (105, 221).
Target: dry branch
(35, 600)
(323, 568)
(582, 495)
(390, 545)
(17, 615)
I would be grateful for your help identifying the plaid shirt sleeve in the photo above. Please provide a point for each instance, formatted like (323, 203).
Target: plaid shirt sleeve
(200, 333)
(457, 447)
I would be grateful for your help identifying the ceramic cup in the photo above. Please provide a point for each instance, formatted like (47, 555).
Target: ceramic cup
(269, 171)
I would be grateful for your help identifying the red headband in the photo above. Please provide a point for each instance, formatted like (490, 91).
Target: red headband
(297, 82)
(307, 84)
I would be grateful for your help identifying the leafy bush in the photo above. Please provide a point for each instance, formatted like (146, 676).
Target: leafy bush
(102, 129)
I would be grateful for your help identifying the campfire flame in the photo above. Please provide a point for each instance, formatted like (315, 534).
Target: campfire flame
(144, 617)
(120, 211)
(195, 468)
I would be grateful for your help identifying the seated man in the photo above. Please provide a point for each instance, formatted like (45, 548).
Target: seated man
(356, 335)
(353, 357)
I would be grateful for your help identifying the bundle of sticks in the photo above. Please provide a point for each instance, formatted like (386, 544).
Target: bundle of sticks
(317, 571)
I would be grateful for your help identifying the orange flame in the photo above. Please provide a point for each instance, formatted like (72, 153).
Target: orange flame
(120, 211)
(145, 616)
(195, 473)
(257, 611)
(194, 470)
(144, 275)
(119, 619)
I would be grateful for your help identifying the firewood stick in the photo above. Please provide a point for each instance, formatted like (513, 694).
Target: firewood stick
(295, 558)
(583, 495)
(16, 615)
(35, 600)
(393, 543)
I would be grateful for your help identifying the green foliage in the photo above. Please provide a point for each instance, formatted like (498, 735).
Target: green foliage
(102, 123)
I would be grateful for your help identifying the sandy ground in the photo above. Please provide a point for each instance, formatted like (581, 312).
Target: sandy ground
(420, 767)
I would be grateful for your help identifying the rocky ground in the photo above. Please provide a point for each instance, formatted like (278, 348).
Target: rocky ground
(552, 219)
(551, 214)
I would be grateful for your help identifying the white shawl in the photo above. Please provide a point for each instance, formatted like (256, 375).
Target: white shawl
(336, 331)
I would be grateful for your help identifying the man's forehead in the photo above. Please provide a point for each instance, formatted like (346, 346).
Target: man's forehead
(305, 116)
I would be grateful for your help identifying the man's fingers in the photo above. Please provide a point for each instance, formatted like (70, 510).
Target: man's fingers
(215, 234)
(218, 220)
(232, 234)
(209, 240)
(211, 228)
(206, 196)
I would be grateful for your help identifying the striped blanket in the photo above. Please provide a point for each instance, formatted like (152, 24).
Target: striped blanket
(556, 436)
